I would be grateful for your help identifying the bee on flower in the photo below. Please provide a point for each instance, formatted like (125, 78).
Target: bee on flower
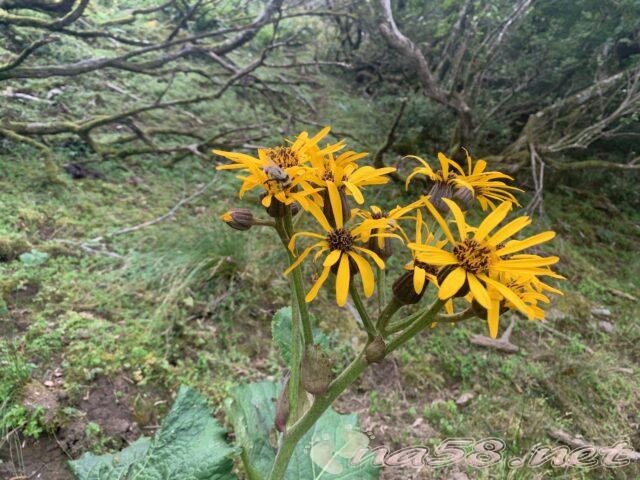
(280, 171)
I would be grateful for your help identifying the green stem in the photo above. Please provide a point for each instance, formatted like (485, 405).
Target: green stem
(404, 322)
(362, 310)
(390, 310)
(296, 358)
(321, 403)
(296, 351)
(298, 285)
(311, 416)
(455, 317)
(416, 327)
(381, 285)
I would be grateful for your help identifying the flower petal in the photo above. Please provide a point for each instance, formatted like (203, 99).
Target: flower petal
(366, 273)
(342, 281)
(452, 283)
(316, 286)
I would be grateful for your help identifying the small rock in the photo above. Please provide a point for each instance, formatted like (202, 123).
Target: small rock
(606, 326)
(554, 314)
(458, 476)
(37, 396)
(49, 383)
(601, 312)
(465, 399)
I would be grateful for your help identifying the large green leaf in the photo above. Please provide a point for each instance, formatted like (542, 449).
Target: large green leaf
(281, 332)
(325, 452)
(190, 445)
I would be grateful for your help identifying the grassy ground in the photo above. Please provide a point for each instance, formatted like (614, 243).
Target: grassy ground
(94, 344)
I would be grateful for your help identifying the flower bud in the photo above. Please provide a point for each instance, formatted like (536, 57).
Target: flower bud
(315, 371)
(282, 406)
(444, 273)
(404, 291)
(375, 351)
(383, 252)
(438, 191)
(464, 197)
(238, 218)
(328, 210)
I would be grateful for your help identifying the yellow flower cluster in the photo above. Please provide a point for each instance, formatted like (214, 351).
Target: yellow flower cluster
(482, 263)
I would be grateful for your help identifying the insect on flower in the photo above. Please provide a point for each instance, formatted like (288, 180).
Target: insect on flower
(280, 171)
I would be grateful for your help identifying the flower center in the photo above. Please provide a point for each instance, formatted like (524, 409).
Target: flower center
(340, 239)
(378, 215)
(451, 176)
(473, 256)
(431, 269)
(283, 157)
(328, 176)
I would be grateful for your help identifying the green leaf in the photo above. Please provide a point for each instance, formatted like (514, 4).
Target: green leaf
(281, 332)
(34, 258)
(190, 445)
(324, 452)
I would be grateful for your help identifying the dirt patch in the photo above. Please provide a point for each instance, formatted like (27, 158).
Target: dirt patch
(41, 459)
(393, 417)
(38, 396)
(109, 404)
(16, 315)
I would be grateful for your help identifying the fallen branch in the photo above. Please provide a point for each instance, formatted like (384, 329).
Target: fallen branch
(503, 344)
(161, 218)
(577, 442)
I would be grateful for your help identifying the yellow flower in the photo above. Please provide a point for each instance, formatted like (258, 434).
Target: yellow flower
(420, 266)
(280, 171)
(451, 181)
(478, 258)
(345, 173)
(375, 220)
(488, 187)
(345, 252)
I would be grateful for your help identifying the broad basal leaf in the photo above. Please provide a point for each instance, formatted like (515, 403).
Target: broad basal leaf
(190, 445)
(328, 451)
(281, 332)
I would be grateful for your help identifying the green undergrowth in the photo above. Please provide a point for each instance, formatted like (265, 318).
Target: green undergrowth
(190, 301)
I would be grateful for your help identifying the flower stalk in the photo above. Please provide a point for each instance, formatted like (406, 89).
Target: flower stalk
(484, 265)
(321, 403)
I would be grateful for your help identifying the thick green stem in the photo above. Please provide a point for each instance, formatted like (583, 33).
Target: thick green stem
(362, 310)
(296, 356)
(298, 285)
(344, 380)
(389, 311)
(311, 416)
(296, 344)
